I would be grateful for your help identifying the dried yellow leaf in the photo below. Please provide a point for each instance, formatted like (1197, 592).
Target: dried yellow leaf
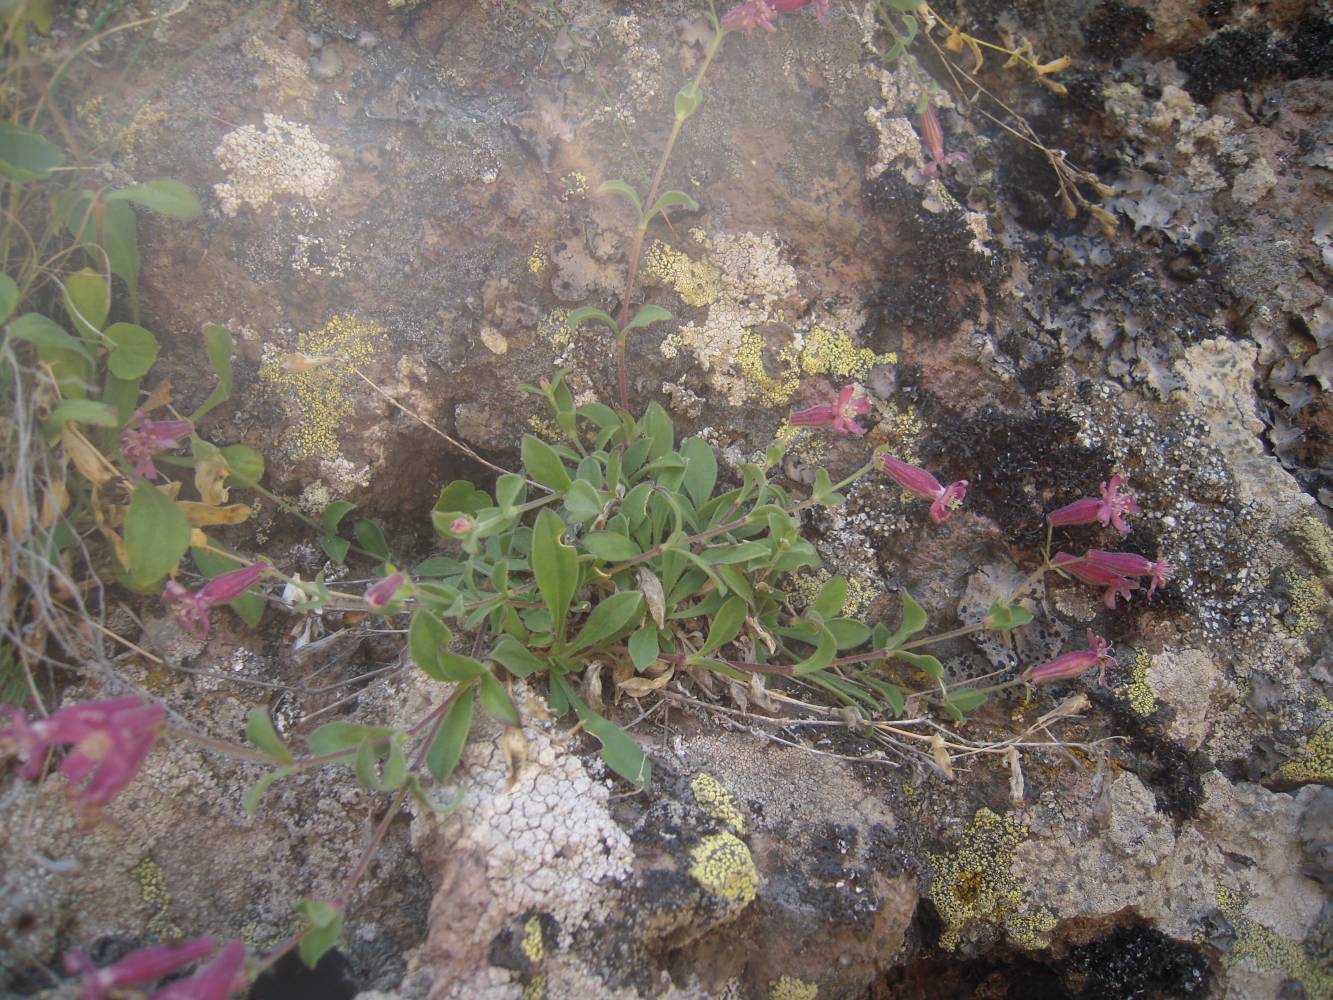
(1054, 66)
(90, 462)
(202, 515)
(638, 687)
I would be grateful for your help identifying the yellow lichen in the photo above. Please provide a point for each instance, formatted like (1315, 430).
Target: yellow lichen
(723, 865)
(120, 138)
(1317, 764)
(554, 327)
(536, 988)
(803, 587)
(831, 352)
(697, 282)
(533, 946)
(576, 185)
(773, 391)
(974, 884)
(318, 393)
(791, 988)
(1268, 950)
(1136, 690)
(1310, 605)
(1316, 539)
(537, 260)
(153, 887)
(717, 802)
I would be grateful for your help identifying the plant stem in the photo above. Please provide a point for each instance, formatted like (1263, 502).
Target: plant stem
(642, 231)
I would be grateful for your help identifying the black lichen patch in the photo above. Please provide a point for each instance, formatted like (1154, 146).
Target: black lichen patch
(1310, 45)
(1018, 465)
(1115, 29)
(1138, 961)
(1174, 773)
(1007, 977)
(1227, 60)
(331, 978)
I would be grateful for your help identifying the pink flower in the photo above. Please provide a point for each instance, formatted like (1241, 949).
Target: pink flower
(840, 415)
(760, 13)
(1107, 510)
(110, 740)
(460, 525)
(934, 139)
(215, 981)
(920, 483)
(147, 965)
(1098, 654)
(1097, 576)
(192, 607)
(1129, 564)
(382, 593)
(144, 438)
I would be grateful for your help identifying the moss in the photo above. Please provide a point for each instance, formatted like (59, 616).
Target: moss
(316, 382)
(1136, 691)
(698, 283)
(717, 802)
(153, 887)
(974, 885)
(791, 988)
(1317, 764)
(1269, 950)
(723, 865)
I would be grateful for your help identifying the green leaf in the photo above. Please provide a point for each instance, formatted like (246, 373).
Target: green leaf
(586, 314)
(670, 199)
(86, 302)
(462, 497)
(847, 633)
(510, 489)
(824, 493)
(891, 693)
(245, 464)
(447, 747)
(656, 426)
(914, 620)
(618, 187)
(157, 533)
(370, 536)
(1002, 616)
(645, 316)
(726, 555)
(555, 567)
(250, 606)
(165, 197)
(333, 515)
(700, 470)
(825, 650)
(621, 753)
(9, 296)
(25, 155)
(831, 597)
(326, 924)
(395, 767)
(966, 700)
(582, 502)
(335, 736)
(120, 240)
(218, 344)
(610, 546)
(726, 624)
(495, 699)
(261, 734)
(928, 665)
(36, 329)
(427, 637)
(82, 411)
(133, 350)
(643, 647)
(516, 657)
(543, 464)
(437, 566)
(688, 99)
(608, 618)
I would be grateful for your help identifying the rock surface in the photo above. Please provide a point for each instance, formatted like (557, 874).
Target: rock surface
(406, 187)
